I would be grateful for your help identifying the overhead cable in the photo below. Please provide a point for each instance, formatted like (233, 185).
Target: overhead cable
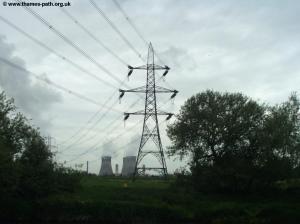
(115, 28)
(51, 83)
(93, 36)
(56, 53)
(77, 141)
(72, 44)
(90, 120)
(93, 148)
(134, 27)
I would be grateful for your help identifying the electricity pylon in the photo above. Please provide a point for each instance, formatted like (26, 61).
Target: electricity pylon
(150, 127)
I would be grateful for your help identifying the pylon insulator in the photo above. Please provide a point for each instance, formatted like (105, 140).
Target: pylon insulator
(129, 73)
(165, 73)
(122, 92)
(169, 116)
(126, 116)
(174, 94)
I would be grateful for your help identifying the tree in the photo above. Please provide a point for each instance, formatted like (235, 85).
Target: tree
(279, 148)
(12, 132)
(231, 139)
(36, 167)
(26, 165)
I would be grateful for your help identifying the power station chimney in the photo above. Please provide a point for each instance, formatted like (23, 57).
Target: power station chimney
(128, 165)
(106, 169)
(117, 170)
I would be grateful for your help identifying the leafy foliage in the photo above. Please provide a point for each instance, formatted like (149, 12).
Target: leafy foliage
(26, 166)
(235, 143)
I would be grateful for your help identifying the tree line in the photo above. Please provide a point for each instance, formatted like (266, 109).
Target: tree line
(237, 144)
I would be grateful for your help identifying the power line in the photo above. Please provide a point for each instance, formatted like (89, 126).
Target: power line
(56, 53)
(115, 28)
(72, 44)
(85, 134)
(91, 161)
(97, 122)
(102, 130)
(52, 28)
(130, 22)
(109, 127)
(139, 33)
(93, 36)
(109, 131)
(162, 78)
(89, 120)
(112, 128)
(93, 147)
(134, 27)
(49, 82)
(63, 58)
(116, 151)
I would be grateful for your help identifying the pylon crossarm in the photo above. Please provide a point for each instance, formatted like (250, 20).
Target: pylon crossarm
(149, 66)
(159, 89)
(141, 89)
(141, 112)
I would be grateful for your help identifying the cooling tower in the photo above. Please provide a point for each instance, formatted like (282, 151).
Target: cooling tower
(106, 169)
(128, 165)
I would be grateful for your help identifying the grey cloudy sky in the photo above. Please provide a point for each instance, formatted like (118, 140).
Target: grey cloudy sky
(230, 45)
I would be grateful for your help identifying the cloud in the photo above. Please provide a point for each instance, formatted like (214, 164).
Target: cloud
(132, 148)
(31, 97)
(108, 149)
(178, 58)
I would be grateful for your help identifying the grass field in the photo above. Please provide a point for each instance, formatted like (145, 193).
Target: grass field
(158, 201)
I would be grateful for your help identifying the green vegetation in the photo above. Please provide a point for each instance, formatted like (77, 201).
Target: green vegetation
(27, 170)
(159, 201)
(244, 168)
(236, 144)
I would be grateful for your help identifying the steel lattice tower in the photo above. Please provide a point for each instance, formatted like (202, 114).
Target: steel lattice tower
(150, 126)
